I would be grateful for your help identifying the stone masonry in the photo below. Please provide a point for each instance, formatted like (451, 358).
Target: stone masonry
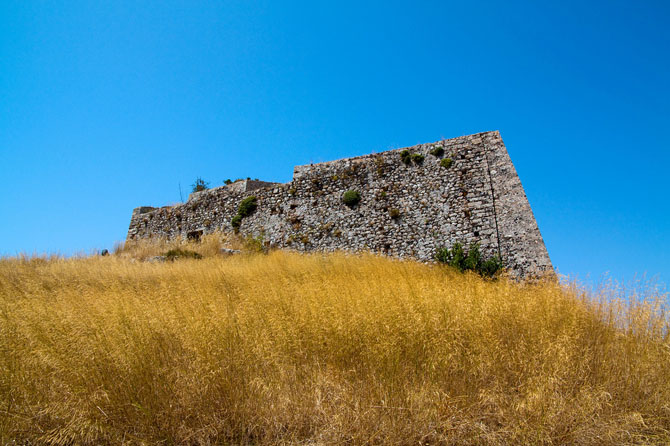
(405, 210)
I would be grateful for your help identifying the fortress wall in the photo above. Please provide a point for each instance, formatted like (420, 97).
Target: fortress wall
(520, 239)
(437, 206)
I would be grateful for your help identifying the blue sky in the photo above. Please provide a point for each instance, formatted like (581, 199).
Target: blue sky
(105, 106)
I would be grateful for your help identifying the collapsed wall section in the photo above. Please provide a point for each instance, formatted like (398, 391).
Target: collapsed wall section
(406, 209)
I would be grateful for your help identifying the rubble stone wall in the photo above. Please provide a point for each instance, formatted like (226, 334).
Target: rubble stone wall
(405, 210)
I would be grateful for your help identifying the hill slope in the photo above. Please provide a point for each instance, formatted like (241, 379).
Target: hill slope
(288, 348)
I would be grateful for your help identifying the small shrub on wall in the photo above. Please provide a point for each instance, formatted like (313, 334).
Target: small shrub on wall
(456, 257)
(418, 158)
(437, 151)
(247, 206)
(245, 209)
(446, 162)
(406, 157)
(236, 222)
(351, 198)
(199, 185)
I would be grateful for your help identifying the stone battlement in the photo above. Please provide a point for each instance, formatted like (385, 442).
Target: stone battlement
(237, 186)
(406, 210)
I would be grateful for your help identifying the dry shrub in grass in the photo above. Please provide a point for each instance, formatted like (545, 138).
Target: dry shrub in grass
(320, 349)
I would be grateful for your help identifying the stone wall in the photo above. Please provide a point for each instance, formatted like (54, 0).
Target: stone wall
(406, 210)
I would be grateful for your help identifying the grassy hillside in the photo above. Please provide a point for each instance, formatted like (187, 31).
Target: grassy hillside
(286, 348)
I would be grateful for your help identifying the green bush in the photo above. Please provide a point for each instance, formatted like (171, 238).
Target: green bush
(247, 206)
(446, 162)
(245, 209)
(351, 198)
(437, 151)
(491, 267)
(456, 257)
(236, 222)
(228, 181)
(199, 185)
(394, 213)
(179, 253)
(408, 157)
(418, 158)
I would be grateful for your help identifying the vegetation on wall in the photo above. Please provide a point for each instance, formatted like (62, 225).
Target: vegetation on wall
(446, 162)
(247, 206)
(245, 209)
(437, 151)
(472, 260)
(351, 198)
(236, 222)
(418, 158)
(199, 185)
(406, 157)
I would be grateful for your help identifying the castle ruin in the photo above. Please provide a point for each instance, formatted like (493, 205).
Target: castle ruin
(412, 202)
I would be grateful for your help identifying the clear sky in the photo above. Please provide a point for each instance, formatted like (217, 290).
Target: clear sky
(105, 106)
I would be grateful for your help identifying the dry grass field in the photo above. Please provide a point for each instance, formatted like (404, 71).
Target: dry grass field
(320, 349)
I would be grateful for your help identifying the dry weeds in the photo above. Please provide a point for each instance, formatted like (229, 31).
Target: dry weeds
(320, 349)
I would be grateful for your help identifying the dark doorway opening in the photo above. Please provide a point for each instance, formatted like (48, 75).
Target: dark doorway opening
(194, 235)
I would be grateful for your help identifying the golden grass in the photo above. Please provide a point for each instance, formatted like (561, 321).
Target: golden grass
(209, 246)
(320, 349)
